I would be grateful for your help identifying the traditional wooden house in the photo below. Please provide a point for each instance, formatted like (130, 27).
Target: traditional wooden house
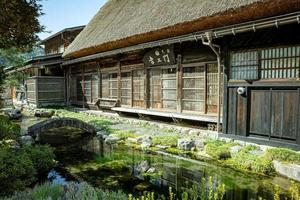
(45, 82)
(167, 58)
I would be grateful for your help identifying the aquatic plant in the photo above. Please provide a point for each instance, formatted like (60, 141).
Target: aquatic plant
(294, 191)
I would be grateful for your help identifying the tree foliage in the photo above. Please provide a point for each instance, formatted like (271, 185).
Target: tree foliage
(19, 23)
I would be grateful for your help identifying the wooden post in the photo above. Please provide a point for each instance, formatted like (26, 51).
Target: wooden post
(37, 91)
(205, 88)
(179, 74)
(82, 86)
(99, 80)
(119, 81)
(146, 87)
(131, 103)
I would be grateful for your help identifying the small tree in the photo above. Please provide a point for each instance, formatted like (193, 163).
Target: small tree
(19, 23)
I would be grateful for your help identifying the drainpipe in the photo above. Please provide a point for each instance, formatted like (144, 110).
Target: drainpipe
(207, 40)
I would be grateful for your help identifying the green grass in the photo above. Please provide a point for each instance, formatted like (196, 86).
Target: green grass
(166, 140)
(219, 149)
(282, 154)
(245, 161)
(123, 134)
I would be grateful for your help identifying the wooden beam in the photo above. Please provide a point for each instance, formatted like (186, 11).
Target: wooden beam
(179, 75)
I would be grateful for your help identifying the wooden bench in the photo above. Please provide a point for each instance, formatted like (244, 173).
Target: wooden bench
(107, 103)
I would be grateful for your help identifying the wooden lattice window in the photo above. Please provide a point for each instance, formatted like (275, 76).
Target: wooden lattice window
(270, 63)
(244, 65)
(109, 85)
(73, 92)
(212, 88)
(95, 87)
(138, 88)
(113, 86)
(194, 89)
(169, 88)
(280, 62)
(155, 88)
(87, 88)
(126, 88)
(105, 85)
(79, 88)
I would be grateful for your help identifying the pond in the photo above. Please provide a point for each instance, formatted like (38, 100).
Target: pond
(118, 167)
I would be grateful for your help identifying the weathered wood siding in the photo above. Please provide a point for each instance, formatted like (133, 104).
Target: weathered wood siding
(44, 90)
(267, 64)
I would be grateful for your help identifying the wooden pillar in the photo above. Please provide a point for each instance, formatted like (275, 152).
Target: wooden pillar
(82, 86)
(36, 91)
(131, 94)
(179, 74)
(226, 60)
(119, 81)
(146, 87)
(99, 80)
(205, 88)
(298, 119)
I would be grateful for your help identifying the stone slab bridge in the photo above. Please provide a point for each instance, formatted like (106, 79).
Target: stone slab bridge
(36, 129)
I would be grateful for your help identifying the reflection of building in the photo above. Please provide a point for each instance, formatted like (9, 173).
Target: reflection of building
(152, 58)
(45, 83)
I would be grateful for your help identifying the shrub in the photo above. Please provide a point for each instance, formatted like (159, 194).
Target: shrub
(16, 171)
(42, 157)
(8, 129)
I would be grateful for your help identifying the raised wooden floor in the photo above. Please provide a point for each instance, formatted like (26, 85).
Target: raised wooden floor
(202, 118)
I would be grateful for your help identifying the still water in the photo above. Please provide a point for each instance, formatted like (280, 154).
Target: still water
(118, 167)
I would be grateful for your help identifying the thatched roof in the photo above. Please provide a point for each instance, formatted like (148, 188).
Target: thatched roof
(121, 23)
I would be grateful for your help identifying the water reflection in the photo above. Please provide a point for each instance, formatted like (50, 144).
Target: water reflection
(183, 175)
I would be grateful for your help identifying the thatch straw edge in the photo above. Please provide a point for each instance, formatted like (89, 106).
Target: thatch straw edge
(251, 12)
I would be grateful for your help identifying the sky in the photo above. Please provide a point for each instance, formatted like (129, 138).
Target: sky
(60, 14)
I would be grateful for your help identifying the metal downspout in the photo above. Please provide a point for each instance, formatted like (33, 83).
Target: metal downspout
(217, 50)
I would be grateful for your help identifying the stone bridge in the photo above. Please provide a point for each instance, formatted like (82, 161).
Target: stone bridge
(36, 129)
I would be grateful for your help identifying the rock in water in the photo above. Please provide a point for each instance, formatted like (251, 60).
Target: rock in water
(142, 167)
(145, 141)
(43, 113)
(186, 144)
(26, 139)
(14, 113)
(112, 139)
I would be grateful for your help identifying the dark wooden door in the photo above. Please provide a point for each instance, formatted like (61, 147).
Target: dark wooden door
(275, 113)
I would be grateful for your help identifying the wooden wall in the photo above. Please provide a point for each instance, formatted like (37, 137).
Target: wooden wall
(188, 86)
(270, 107)
(44, 90)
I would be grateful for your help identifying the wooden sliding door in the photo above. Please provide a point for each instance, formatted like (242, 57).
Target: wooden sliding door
(194, 89)
(126, 88)
(155, 88)
(138, 88)
(169, 88)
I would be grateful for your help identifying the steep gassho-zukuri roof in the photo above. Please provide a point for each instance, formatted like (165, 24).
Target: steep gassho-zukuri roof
(121, 23)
